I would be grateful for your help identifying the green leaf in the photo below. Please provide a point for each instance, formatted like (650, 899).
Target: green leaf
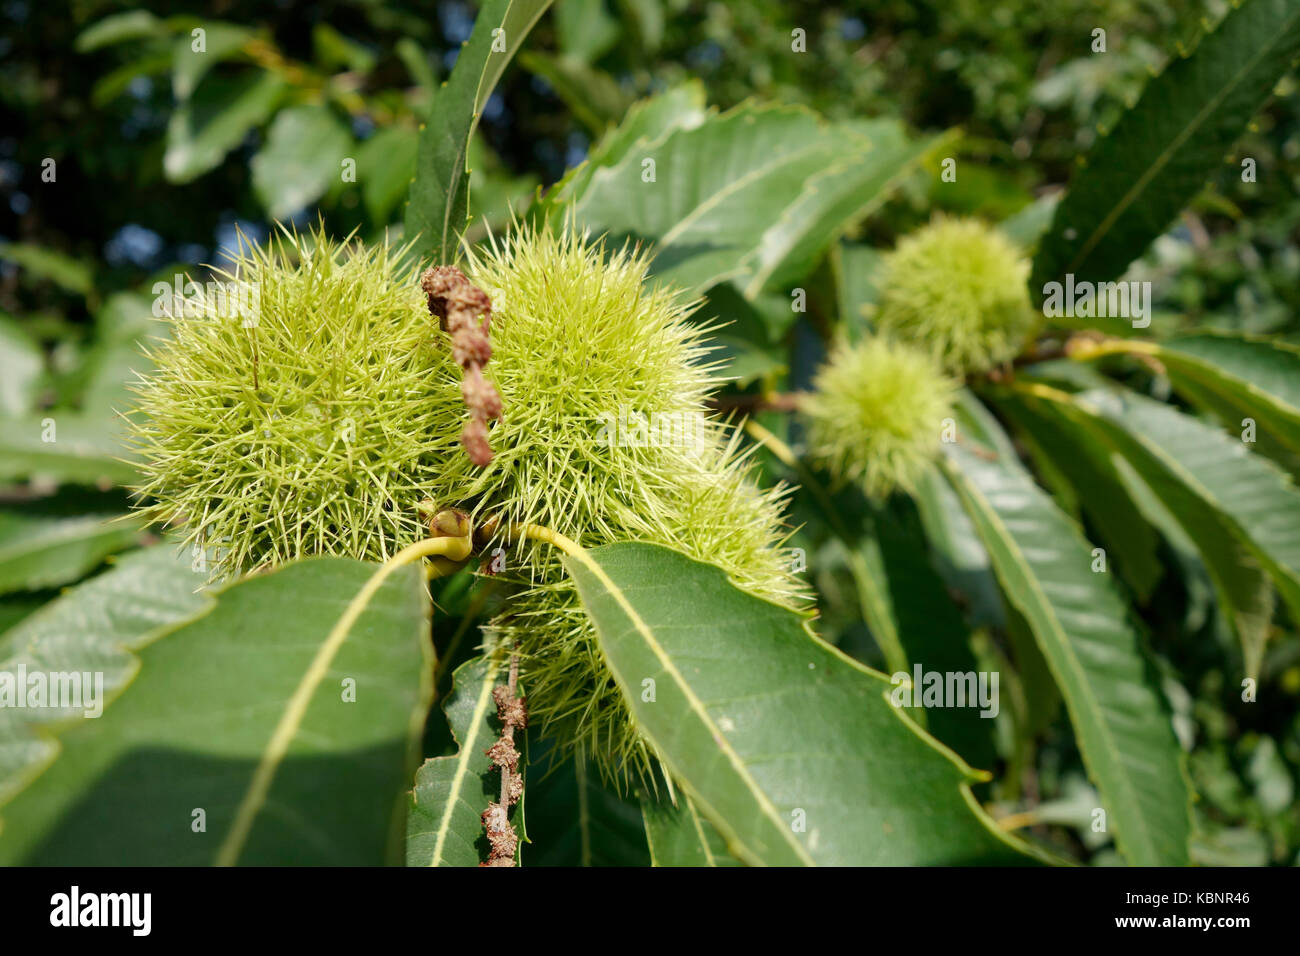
(752, 192)
(21, 365)
(334, 51)
(498, 192)
(421, 69)
(593, 96)
(680, 836)
(748, 340)
(585, 29)
(92, 627)
(1121, 720)
(929, 626)
(38, 551)
(1042, 698)
(450, 794)
(65, 446)
(438, 209)
(1027, 227)
(122, 324)
(575, 820)
(646, 17)
(1163, 149)
(1241, 511)
(959, 556)
(301, 158)
(856, 268)
(832, 202)
(1242, 377)
(293, 732)
(208, 125)
(14, 608)
(646, 121)
(189, 66)
(112, 85)
(42, 263)
(385, 165)
(1085, 463)
(797, 757)
(119, 28)
(1244, 590)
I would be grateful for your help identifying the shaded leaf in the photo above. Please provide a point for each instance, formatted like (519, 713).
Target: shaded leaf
(856, 267)
(958, 554)
(680, 836)
(647, 19)
(301, 158)
(930, 628)
(575, 820)
(1027, 227)
(335, 51)
(422, 69)
(385, 165)
(16, 607)
(112, 85)
(208, 125)
(1085, 463)
(1247, 377)
(593, 96)
(585, 28)
(1240, 510)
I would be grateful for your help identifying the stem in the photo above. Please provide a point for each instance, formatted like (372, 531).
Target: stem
(770, 401)
(1016, 821)
(512, 711)
(508, 732)
(537, 532)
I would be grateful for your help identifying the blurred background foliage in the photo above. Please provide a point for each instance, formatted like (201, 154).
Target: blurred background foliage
(160, 161)
(159, 164)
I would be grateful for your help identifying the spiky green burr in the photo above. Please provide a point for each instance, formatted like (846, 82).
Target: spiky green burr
(957, 288)
(306, 425)
(876, 414)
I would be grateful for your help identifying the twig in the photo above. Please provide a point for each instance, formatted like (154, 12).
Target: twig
(512, 711)
(773, 402)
